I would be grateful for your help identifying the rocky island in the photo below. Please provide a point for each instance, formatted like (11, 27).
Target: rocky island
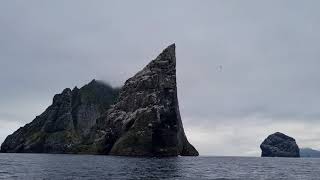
(279, 145)
(309, 153)
(140, 119)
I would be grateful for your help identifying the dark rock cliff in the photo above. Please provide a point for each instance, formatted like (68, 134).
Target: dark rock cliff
(66, 124)
(279, 145)
(143, 121)
(146, 119)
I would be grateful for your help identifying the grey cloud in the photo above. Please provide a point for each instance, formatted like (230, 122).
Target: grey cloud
(268, 52)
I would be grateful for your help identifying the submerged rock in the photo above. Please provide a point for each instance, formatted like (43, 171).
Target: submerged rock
(144, 121)
(279, 145)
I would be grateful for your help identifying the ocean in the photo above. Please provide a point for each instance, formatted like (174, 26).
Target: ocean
(59, 167)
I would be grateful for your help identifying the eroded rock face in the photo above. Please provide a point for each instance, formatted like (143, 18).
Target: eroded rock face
(279, 145)
(66, 124)
(144, 121)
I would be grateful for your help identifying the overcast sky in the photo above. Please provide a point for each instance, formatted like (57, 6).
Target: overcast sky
(246, 69)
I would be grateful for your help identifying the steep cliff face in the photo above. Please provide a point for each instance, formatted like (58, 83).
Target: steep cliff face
(143, 121)
(279, 145)
(146, 120)
(66, 124)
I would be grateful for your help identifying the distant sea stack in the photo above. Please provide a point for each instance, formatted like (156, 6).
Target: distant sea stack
(144, 119)
(279, 145)
(309, 153)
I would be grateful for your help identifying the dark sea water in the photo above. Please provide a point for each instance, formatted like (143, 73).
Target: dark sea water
(50, 166)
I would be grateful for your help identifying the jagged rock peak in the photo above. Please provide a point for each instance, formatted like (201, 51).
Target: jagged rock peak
(146, 119)
(279, 145)
(95, 82)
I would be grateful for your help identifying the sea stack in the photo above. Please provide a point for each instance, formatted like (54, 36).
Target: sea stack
(144, 119)
(279, 145)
